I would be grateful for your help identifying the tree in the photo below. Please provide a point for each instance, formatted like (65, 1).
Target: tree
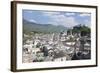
(84, 30)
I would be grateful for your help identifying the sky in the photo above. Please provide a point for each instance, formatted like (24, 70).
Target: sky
(63, 18)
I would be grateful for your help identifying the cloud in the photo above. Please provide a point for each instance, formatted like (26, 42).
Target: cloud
(32, 20)
(85, 14)
(87, 18)
(51, 13)
(61, 19)
(88, 23)
(70, 13)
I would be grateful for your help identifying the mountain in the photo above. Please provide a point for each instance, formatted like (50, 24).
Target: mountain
(43, 28)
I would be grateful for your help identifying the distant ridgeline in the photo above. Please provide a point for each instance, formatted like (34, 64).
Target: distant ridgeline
(41, 28)
(49, 28)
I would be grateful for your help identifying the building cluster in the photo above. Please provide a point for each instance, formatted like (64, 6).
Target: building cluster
(56, 47)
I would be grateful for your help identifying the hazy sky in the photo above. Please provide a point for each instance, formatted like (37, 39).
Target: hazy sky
(67, 19)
